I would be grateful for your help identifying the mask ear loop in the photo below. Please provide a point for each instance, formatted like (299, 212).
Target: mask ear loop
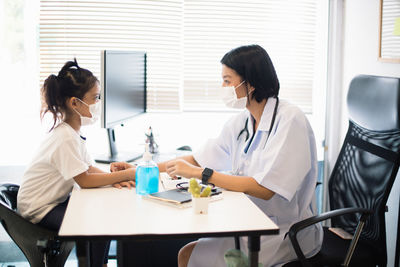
(272, 121)
(247, 95)
(245, 129)
(81, 101)
(239, 84)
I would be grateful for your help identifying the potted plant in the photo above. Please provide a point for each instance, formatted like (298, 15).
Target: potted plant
(200, 196)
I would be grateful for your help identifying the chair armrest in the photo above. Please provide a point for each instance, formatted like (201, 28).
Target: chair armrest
(295, 228)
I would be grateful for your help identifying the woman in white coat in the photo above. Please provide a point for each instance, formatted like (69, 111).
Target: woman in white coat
(267, 151)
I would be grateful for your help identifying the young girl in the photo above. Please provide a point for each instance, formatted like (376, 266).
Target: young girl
(73, 98)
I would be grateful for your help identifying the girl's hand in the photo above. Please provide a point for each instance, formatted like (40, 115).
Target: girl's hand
(119, 166)
(128, 184)
(180, 167)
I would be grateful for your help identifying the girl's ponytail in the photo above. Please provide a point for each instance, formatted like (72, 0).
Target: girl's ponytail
(51, 98)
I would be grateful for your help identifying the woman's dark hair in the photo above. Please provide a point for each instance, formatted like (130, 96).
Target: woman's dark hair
(71, 81)
(254, 65)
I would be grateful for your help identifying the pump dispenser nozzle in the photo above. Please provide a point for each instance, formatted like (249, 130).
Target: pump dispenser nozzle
(147, 155)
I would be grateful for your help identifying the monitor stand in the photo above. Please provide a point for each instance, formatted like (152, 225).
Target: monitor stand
(114, 155)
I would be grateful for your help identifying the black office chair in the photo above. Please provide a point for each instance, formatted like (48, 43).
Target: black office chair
(362, 178)
(184, 148)
(37, 243)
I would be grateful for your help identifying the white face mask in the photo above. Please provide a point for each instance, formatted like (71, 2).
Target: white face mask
(95, 111)
(230, 98)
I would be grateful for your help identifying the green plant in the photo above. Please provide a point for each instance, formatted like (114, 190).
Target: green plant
(195, 189)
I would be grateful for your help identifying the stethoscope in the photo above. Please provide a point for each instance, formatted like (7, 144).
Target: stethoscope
(246, 130)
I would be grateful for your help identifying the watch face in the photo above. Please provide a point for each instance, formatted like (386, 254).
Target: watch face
(207, 172)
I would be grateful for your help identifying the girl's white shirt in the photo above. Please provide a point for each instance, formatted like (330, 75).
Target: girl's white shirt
(48, 179)
(286, 164)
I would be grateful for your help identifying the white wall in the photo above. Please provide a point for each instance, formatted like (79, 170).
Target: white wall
(171, 130)
(361, 46)
(360, 56)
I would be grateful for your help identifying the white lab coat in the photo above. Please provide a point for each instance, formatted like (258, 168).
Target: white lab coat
(285, 164)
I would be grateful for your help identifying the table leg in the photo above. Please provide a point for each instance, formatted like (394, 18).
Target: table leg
(254, 248)
(82, 253)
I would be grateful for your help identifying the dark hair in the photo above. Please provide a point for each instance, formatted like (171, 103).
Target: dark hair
(254, 65)
(71, 81)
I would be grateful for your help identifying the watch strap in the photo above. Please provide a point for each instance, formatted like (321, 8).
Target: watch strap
(206, 175)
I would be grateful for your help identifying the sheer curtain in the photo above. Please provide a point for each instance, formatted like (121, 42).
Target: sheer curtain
(19, 102)
(184, 41)
(288, 30)
(81, 29)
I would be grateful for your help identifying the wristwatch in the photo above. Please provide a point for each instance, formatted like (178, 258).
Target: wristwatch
(206, 175)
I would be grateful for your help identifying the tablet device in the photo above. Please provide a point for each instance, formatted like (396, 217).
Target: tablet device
(176, 196)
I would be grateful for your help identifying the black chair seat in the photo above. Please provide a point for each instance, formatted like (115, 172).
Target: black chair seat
(332, 251)
(334, 247)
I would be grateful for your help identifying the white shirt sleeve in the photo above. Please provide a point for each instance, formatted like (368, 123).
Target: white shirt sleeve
(87, 157)
(216, 153)
(286, 157)
(68, 160)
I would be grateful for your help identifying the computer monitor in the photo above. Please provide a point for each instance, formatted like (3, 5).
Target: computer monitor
(123, 93)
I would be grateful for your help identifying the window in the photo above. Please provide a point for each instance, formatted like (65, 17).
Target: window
(184, 41)
(286, 29)
(81, 29)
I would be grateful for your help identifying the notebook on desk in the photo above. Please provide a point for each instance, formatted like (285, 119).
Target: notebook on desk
(173, 195)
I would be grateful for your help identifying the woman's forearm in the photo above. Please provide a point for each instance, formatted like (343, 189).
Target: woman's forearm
(189, 158)
(188, 167)
(245, 184)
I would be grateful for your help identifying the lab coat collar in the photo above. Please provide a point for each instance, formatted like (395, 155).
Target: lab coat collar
(266, 117)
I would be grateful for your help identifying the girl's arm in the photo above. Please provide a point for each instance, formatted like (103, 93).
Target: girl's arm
(88, 179)
(119, 185)
(245, 184)
(93, 169)
(117, 166)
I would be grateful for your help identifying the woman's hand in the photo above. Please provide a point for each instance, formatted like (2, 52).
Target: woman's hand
(180, 167)
(128, 184)
(119, 166)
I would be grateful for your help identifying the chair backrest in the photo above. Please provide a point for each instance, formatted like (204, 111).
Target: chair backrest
(8, 195)
(369, 159)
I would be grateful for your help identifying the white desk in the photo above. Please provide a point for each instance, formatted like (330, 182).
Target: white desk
(110, 213)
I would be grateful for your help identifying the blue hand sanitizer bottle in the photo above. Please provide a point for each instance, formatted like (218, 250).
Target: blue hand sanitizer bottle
(147, 174)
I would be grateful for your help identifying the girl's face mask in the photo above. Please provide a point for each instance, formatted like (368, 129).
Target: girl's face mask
(95, 111)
